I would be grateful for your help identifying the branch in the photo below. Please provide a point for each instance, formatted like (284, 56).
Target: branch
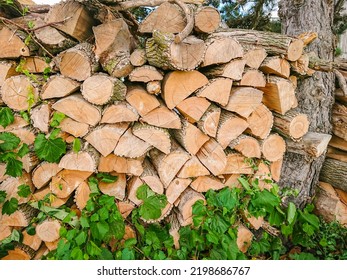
(190, 21)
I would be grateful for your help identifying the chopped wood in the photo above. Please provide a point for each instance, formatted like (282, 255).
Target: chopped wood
(101, 89)
(233, 70)
(178, 85)
(120, 111)
(273, 147)
(255, 223)
(75, 107)
(338, 143)
(132, 187)
(253, 78)
(80, 161)
(151, 178)
(120, 165)
(105, 138)
(125, 208)
(153, 87)
(339, 120)
(33, 241)
(244, 238)
(48, 230)
(162, 117)
(237, 164)
(292, 125)
(308, 37)
(206, 19)
(190, 137)
(43, 173)
(276, 169)
(35, 64)
(82, 195)
(174, 229)
(30, 161)
(19, 93)
(7, 70)
(142, 101)
(247, 146)
(145, 74)
(205, 183)
(244, 100)
(163, 52)
(255, 57)
(263, 176)
(277, 66)
(193, 168)
(52, 245)
(54, 201)
(231, 180)
(210, 120)
(117, 188)
(10, 186)
(21, 217)
(175, 188)
(59, 86)
(301, 66)
(131, 146)
(156, 136)
(260, 122)
(193, 108)
(18, 123)
(222, 86)
(40, 116)
(20, 252)
(77, 129)
(188, 198)
(12, 44)
(333, 172)
(138, 57)
(230, 127)
(336, 154)
(213, 157)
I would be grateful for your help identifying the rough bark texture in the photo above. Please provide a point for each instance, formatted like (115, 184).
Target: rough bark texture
(314, 95)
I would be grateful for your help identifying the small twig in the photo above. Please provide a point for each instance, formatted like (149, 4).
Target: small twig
(190, 21)
(342, 81)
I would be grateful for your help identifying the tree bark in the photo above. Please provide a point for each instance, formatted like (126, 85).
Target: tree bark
(315, 96)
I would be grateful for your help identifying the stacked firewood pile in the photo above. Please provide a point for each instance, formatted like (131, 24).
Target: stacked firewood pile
(175, 102)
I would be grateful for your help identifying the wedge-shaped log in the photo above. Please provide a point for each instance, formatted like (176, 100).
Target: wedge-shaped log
(193, 168)
(142, 101)
(151, 178)
(176, 187)
(40, 116)
(217, 90)
(117, 188)
(7, 70)
(121, 165)
(59, 86)
(193, 108)
(120, 111)
(254, 57)
(205, 183)
(253, 78)
(277, 66)
(21, 217)
(210, 120)
(247, 146)
(10, 186)
(237, 164)
(77, 129)
(162, 117)
(232, 70)
(260, 122)
(43, 173)
(132, 187)
(187, 200)
(82, 161)
(12, 43)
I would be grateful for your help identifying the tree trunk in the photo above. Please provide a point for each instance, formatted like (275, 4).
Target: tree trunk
(314, 95)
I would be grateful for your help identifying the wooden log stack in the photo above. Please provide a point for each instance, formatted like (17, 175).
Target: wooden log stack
(180, 105)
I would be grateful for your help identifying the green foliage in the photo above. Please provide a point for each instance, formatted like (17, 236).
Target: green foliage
(6, 116)
(106, 177)
(57, 119)
(10, 206)
(50, 149)
(76, 145)
(24, 191)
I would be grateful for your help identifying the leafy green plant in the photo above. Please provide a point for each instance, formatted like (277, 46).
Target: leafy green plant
(50, 149)
(57, 119)
(6, 117)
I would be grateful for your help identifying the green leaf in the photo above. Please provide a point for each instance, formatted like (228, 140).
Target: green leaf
(76, 254)
(25, 116)
(308, 229)
(24, 149)
(6, 117)
(291, 212)
(276, 218)
(10, 206)
(24, 191)
(2, 196)
(152, 206)
(107, 178)
(14, 167)
(76, 145)
(56, 119)
(93, 249)
(50, 150)
(310, 218)
(128, 254)
(103, 214)
(99, 230)
(8, 141)
(81, 238)
(105, 254)
(130, 242)
(212, 237)
(303, 256)
(53, 135)
(93, 185)
(144, 192)
(219, 225)
(227, 198)
(244, 184)
(266, 200)
(84, 222)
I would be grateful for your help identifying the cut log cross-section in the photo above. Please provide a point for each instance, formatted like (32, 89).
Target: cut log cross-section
(77, 129)
(210, 120)
(232, 70)
(260, 122)
(255, 57)
(142, 101)
(43, 173)
(277, 66)
(162, 117)
(217, 90)
(121, 165)
(176, 187)
(7, 70)
(205, 183)
(21, 217)
(247, 146)
(273, 147)
(188, 198)
(253, 78)
(138, 57)
(145, 74)
(119, 112)
(193, 168)
(151, 178)
(59, 86)
(237, 164)
(193, 108)
(48, 230)
(206, 19)
(13, 45)
(40, 117)
(117, 188)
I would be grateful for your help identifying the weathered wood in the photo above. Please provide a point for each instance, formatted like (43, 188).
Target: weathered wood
(21, 217)
(276, 169)
(154, 87)
(244, 238)
(210, 120)
(10, 186)
(336, 154)
(33, 241)
(222, 86)
(273, 147)
(247, 146)
(277, 66)
(339, 120)
(142, 101)
(120, 165)
(20, 252)
(206, 19)
(13, 44)
(338, 143)
(178, 85)
(117, 188)
(132, 186)
(334, 172)
(260, 122)
(119, 112)
(193, 168)
(54, 201)
(59, 86)
(34, 64)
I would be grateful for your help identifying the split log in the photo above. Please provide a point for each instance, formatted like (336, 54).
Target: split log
(188, 198)
(33, 241)
(178, 85)
(12, 42)
(273, 43)
(213, 157)
(232, 70)
(190, 137)
(51, 246)
(131, 146)
(334, 172)
(255, 223)
(142, 101)
(162, 117)
(59, 86)
(339, 120)
(75, 107)
(19, 93)
(255, 57)
(138, 57)
(26, 135)
(205, 183)
(125, 208)
(20, 252)
(253, 78)
(120, 165)
(193, 168)
(43, 173)
(279, 95)
(243, 100)
(76, 21)
(119, 112)
(77, 129)
(244, 238)
(231, 181)
(230, 127)
(5, 231)
(10, 186)
(312, 143)
(114, 44)
(206, 19)
(301, 66)
(175, 189)
(167, 18)
(117, 188)
(40, 116)
(273, 147)
(82, 161)
(105, 138)
(7, 70)
(338, 143)
(221, 50)
(193, 108)
(169, 165)
(153, 87)
(328, 205)
(292, 125)
(222, 86)
(101, 89)
(30, 161)
(247, 146)
(156, 136)
(210, 120)
(35, 64)
(163, 52)
(260, 122)
(132, 187)
(82, 195)
(21, 217)
(145, 74)
(44, 193)
(276, 169)
(151, 178)
(48, 230)
(78, 63)
(66, 181)
(41, 252)
(277, 66)
(237, 164)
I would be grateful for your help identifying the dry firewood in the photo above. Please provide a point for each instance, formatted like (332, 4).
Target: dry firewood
(34, 64)
(193, 168)
(151, 178)
(253, 78)
(206, 19)
(43, 173)
(10, 186)
(244, 238)
(40, 116)
(263, 176)
(193, 108)
(85, 160)
(153, 87)
(121, 165)
(48, 230)
(145, 74)
(119, 112)
(254, 57)
(18, 123)
(117, 188)
(77, 129)
(33, 241)
(205, 183)
(132, 187)
(54, 201)
(59, 86)
(237, 164)
(260, 122)
(138, 57)
(275, 169)
(232, 70)
(339, 120)
(162, 117)
(209, 121)
(21, 217)
(188, 198)
(175, 188)
(178, 85)
(338, 143)
(273, 147)
(125, 208)
(247, 146)
(222, 86)
(142, 101)
(277, 66)
(7, 70)
(20, 252)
